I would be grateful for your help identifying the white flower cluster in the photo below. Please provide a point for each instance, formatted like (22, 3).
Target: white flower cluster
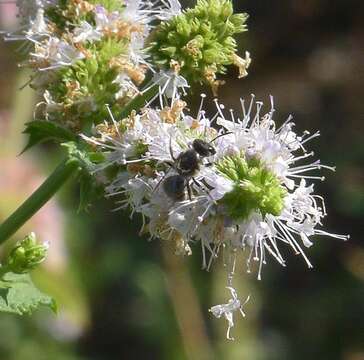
(183, 193)
(84, 27)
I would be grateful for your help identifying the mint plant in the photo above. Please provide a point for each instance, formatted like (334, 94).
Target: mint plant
(112, 76)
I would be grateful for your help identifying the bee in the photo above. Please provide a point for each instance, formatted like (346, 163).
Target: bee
(187, 165)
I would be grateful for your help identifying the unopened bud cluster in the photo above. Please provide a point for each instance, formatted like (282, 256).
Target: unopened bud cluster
(199, 43)
(26, 255)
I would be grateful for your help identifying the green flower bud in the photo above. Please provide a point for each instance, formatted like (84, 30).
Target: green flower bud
(66, 12)
(84, 88)
(256, 189)
(27, 255)
(200, 41)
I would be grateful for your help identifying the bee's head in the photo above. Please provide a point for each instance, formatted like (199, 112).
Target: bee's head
(203, 148)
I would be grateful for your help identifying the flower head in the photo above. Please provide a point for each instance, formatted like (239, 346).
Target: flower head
(199, 43)
(85, 54)
(249, 192)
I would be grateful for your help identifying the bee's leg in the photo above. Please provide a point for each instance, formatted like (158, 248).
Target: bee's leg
(207, 163)
(189, 191)
(203, 188)
(169, 163)
(170, 149)
(198, 184)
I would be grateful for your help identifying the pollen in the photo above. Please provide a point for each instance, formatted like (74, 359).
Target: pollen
(135, 72)
(108, 130)
(242, 64)
(172, 114)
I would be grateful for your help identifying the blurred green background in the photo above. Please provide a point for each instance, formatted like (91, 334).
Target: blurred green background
(122, 297)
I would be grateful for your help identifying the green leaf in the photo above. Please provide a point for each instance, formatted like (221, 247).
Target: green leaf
(90, 189)
(41, 130)
(19, 295)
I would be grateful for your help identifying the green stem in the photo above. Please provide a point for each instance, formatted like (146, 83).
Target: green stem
(39, 198)
(138, 102)
(3, 270)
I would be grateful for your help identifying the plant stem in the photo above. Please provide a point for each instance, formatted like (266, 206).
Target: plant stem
(3, 270)
(138, 102)
(55, 181)
(39, 198)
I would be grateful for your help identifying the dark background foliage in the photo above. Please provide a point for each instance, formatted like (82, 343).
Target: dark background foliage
(122, 297)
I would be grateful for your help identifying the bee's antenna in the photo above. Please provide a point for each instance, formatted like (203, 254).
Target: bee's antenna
(219, 136)
(171, 149)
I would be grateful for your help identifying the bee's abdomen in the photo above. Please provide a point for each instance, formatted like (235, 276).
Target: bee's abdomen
(174, 187)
